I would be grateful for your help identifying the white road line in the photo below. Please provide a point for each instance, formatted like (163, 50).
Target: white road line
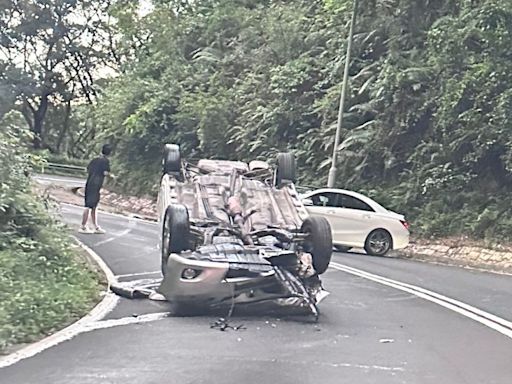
(115, 237)
(489, 320)
(126, 321)
(99, 261)
(100, 311)
(86, 324)
(138, 274)
(470, 308)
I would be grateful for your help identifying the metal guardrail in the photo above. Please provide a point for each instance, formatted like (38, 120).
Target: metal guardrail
(64, 168)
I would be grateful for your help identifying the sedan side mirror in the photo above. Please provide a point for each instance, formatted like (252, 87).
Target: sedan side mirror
(307, 202)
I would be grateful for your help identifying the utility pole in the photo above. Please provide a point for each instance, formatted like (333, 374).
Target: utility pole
(332, 171)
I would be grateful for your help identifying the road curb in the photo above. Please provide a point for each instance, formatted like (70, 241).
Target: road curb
(461, 262)
(101, 309)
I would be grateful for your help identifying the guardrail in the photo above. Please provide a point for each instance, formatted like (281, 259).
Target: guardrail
(63, 168)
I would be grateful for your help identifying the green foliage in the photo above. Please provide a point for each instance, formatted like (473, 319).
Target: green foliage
(49, 53)
(42, 282)
(428, 122)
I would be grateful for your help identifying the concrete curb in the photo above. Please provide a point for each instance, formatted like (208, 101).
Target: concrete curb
(106, 305)
(460, 262)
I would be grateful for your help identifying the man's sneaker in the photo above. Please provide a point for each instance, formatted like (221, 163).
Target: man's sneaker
(99, 230)
(83, 229)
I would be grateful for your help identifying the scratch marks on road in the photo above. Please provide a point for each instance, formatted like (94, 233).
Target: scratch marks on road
(308, 363)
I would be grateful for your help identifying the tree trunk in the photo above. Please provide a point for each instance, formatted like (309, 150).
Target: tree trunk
(28, 113)
(65, 126)
(39, 116)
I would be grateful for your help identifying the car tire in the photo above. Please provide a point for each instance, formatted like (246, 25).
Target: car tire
(378, 242)
(342, 248)
(318, 241)
(285, 169)
(171, 162)
(175, 232)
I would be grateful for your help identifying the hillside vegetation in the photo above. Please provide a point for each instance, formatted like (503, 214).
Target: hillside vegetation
(427, 129)
(44, 285)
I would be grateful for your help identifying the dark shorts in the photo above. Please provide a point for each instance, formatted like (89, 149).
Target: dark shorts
(92, 198)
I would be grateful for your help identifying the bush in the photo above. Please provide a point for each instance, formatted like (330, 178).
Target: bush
(43, 285)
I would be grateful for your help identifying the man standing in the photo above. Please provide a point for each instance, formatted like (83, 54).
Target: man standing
(97, 169)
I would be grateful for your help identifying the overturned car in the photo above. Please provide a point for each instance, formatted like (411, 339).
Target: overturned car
(235, 233)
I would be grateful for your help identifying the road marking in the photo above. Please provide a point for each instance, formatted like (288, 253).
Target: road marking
(489, 320)
(84, 325)
(126, 321)
(99, 261)
(124, 232)
(138, 274)
(100, 311)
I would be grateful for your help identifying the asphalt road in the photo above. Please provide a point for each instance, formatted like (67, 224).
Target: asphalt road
(371, 330)
(64, 181)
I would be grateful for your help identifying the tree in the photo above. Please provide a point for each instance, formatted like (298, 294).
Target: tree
(427, 126)
(50, 52)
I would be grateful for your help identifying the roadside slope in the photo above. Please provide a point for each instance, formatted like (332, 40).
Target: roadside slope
(44, 283)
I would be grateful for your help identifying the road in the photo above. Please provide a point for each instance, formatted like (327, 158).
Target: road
(373, 328)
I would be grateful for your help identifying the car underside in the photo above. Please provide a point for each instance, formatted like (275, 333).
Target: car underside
(234, 233)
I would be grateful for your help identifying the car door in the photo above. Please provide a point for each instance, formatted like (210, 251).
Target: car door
(326, 204)
(359, 218)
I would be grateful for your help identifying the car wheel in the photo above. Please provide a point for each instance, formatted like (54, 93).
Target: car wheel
(175, 232)
(378, 243)
(172, 159)
(341, 248)
(318, 241)
(285, 168)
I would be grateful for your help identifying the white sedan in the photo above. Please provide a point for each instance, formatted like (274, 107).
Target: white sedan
(358, 221)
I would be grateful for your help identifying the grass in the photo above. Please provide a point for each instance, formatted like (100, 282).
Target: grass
(45, 284)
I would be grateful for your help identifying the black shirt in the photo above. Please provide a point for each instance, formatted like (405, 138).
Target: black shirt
(96, 169)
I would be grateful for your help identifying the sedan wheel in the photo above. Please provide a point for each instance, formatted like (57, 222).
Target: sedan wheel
(378, 243)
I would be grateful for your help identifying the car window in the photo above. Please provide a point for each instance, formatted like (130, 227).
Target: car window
(327, 199)
(354, 203)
